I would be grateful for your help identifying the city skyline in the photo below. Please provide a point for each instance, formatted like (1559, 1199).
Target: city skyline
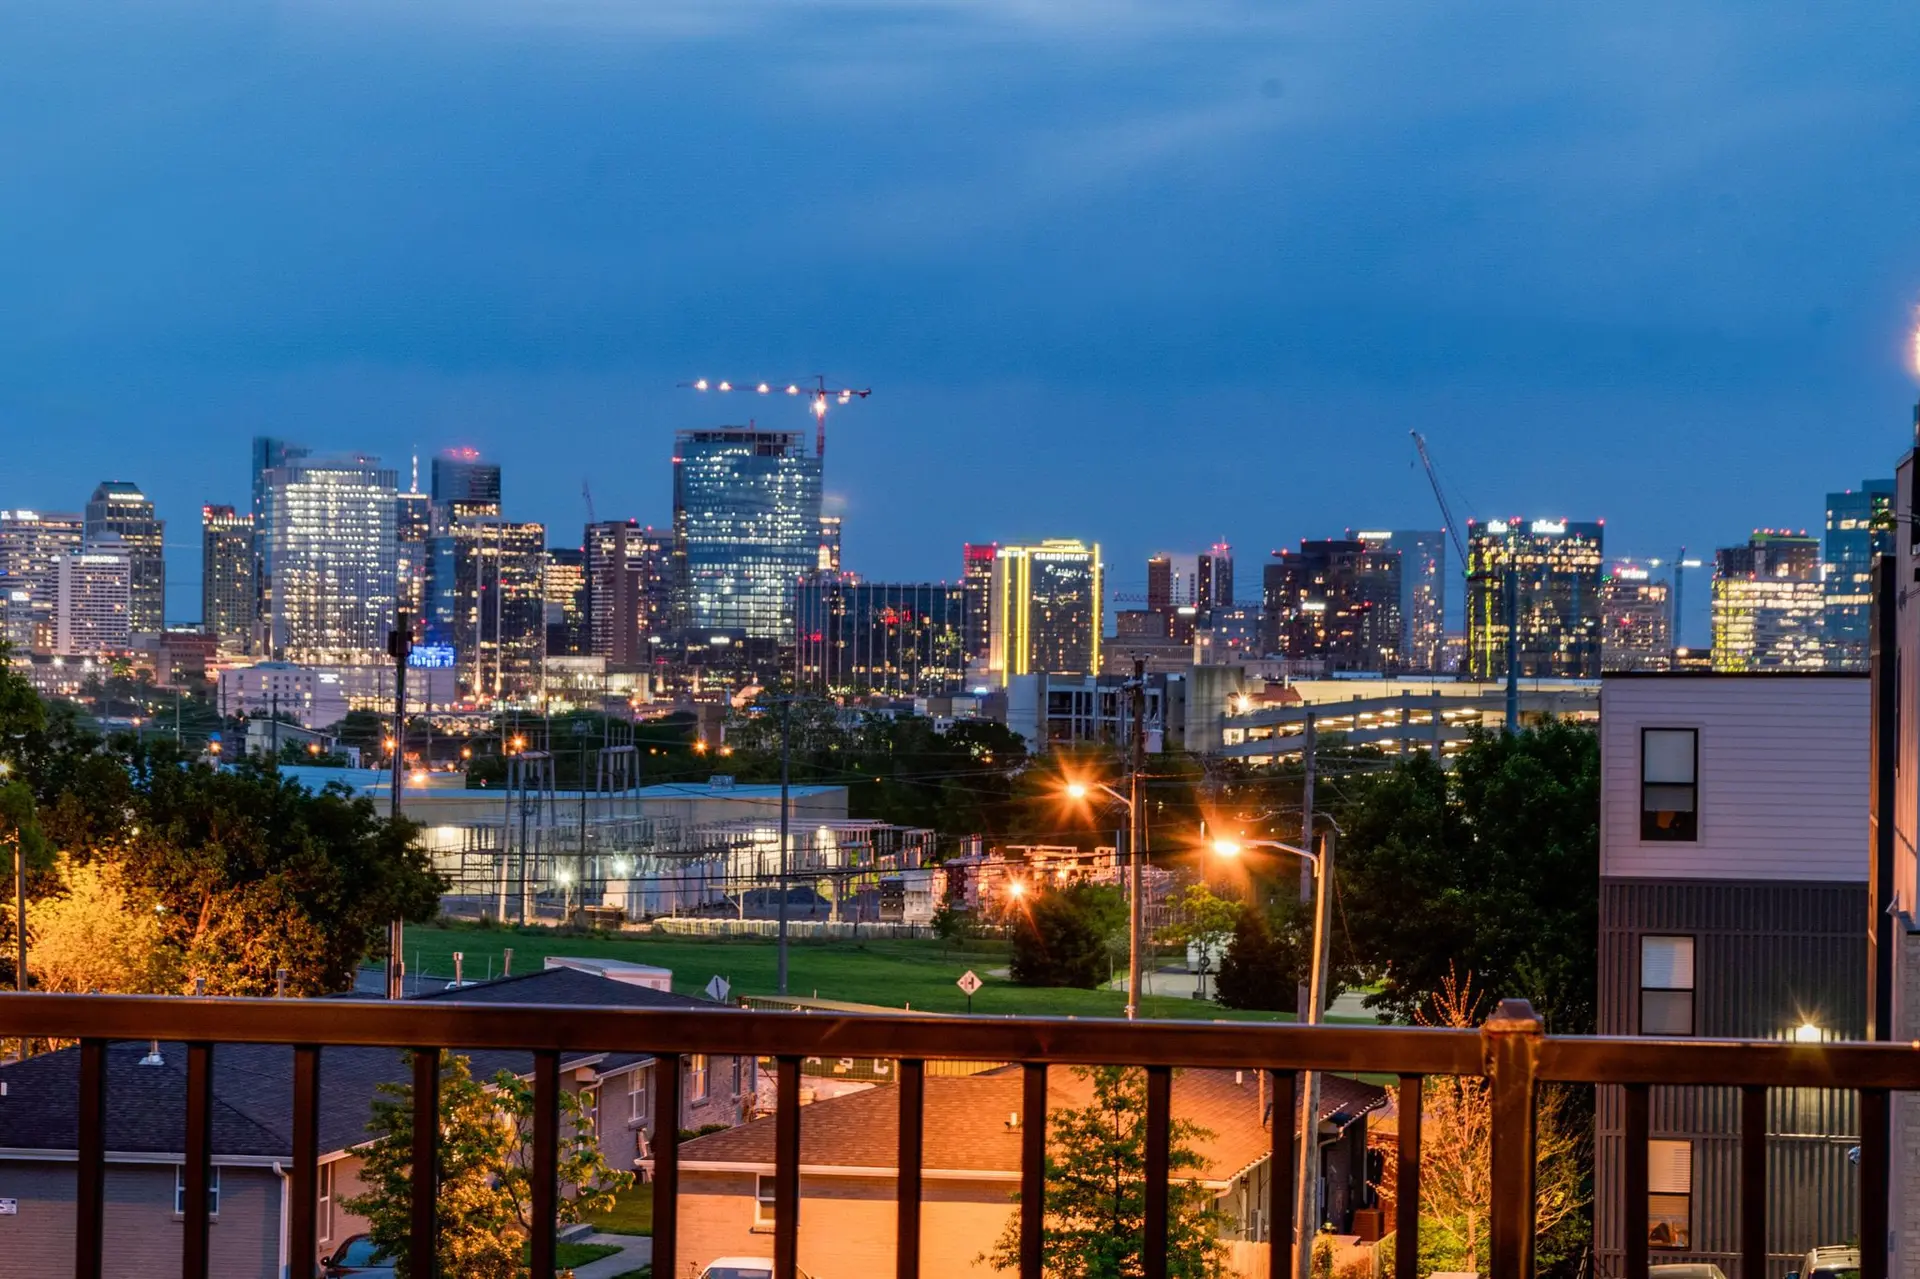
(1340, 249)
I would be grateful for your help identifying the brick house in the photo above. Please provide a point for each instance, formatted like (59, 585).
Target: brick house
(252, 1133)
(971, 1169)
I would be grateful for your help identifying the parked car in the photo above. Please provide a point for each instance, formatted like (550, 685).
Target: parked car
(358, 1256)
(1829, 1263)
(743, 1268)
(1687, 1270)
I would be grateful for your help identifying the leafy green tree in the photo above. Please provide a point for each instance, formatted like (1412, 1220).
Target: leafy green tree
(484, 1207)
(1095, 1197)
(1060, 936)
(20, 836)
(1257, 970)
(1492, 865)
(95, 933)
(255, 874)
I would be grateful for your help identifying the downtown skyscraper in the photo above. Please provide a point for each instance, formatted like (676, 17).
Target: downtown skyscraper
(119, 509)
(1046, 610)
(1859, 527)
(1768, 604)
(1552, 567)
(746, 530)
(229, 593)
(328, 572)
(1423, 591)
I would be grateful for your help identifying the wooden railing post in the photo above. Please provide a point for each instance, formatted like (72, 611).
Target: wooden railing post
(1511, 1039)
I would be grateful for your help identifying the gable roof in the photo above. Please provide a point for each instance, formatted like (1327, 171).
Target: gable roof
(966, 1126)
(253, 1083)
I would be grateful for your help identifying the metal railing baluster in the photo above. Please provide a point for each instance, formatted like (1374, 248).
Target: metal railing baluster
(545, 1190)
(90, 1208)
(1406, 1181)
(1153, 1241)
(913, 1088)
(786, 1170)
(303, 1193)
(197, 1176)
(1753, 1182)
(1280, 1173)
(1512, 1036)
(1633, 1169)
(666, 1163)
(423, 1235)
(1033, 1167)
(1876, 1170)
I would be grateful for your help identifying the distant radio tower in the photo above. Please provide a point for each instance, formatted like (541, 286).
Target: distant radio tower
(818, 396)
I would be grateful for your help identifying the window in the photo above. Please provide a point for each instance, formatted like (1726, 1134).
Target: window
(697, 1077)
(590, 1109)
(180, 1192)
(323, 1215)
(637, 1094)
(763, 1199)
(1669, 783)
(1670, 1194)
(1666, 986)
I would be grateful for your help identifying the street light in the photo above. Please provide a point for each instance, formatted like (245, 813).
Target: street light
(1076, 789)
(1307, 1174)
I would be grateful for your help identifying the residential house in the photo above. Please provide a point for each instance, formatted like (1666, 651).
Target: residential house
(1733, 903)
(971, 1169)
(252, 1132)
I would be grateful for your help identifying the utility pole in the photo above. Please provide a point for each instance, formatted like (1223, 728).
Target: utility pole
(19, 912)
(400, 645)
(1306, 1180)
(1510, 584)
(786, 761)
(1136, 834)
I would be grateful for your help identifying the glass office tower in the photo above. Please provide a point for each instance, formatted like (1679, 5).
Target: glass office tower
(746, 529)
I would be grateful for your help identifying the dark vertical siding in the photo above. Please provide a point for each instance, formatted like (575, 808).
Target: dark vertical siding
(1767, 956)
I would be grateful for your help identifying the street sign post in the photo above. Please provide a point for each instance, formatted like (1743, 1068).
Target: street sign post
(969, 983)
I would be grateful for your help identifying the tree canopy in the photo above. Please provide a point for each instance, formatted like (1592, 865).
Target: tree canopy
(1489, 867)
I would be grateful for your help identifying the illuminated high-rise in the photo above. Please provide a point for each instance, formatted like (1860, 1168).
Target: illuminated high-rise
(1337, 602)
(627, 573)
(1636, 628)
(94, 598)
(883, 637)
(1046, 609)
(329, 577)
(1423, 591)
(486, 598)
(1553, 569)
(566, 596)
(1859, 527)
(461, 476)
(119, 509)
(746, 528)
(412, 528)
(1769, 604)
(31, 544)
(229, 597)
(976, 580)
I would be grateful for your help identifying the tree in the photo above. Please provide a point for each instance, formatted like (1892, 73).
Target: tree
(20, 837)
(256, 874)
(1496, 858)
(97, 934)
(1456, 1151)
(1095, 1196)
(483, 1210)
(1256, 972)
(1059, 939)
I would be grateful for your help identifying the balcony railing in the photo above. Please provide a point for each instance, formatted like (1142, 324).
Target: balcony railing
(1510, 1051)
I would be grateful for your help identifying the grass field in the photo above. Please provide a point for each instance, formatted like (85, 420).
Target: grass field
(632, 1213)
(893, 974)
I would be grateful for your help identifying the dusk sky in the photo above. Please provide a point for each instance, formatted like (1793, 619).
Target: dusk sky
(1146, 273)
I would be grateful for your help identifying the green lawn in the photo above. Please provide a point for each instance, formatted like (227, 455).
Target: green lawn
(632, 1213)
(895, 974)
(568, 1255)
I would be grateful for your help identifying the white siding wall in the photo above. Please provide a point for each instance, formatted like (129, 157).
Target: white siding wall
(1783, 776)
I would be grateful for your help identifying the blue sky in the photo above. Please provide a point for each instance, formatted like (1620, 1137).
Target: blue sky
(1142, 272)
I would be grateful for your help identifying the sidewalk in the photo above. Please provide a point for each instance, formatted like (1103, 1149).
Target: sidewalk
(635, 1251)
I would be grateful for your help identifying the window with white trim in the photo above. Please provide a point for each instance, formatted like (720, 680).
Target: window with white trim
(180, 1192)
(323, 1213)
(697, 1077)
(763, 1199)
(1670, 1195)
(637, 1094)
(1666, 986)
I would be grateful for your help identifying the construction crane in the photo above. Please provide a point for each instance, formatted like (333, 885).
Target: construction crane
(819, 395)
(587, 493)
(1509, 582)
